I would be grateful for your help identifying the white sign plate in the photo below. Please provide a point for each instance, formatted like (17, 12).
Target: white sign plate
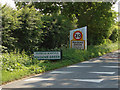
(48, 55)
(78, 44)
(78, 38)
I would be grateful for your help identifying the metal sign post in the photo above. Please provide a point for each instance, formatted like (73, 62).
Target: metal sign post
(78, 38)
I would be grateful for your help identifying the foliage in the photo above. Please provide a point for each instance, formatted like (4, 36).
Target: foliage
(46, 25)
(3, 48)
(30, 33)
(9, 24)
(13, 60)
(47, 8)
(97, 16)
(119, 31)
(56, 31)
(114, 35)
(21, 29)
(36, 69)
(106, 41)
(29, 30)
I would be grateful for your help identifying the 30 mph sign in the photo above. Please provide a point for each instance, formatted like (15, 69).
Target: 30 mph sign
(78, 38)
(77, 35)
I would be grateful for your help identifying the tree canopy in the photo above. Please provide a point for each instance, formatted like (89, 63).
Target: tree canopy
(97, 16)
(39, 25)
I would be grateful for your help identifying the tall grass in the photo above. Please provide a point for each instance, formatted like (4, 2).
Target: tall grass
(16, 65)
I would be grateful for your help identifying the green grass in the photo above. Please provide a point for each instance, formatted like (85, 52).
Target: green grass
(10, 76)
(20, 65)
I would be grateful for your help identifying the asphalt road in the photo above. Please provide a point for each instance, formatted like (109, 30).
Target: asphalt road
(101, 72)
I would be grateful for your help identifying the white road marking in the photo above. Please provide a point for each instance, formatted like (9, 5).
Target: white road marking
(89, 80)
(60, 72)
(113, 62)
(38, 79)
(88, 62)
(103, 72)
(111, 66)
(98, 61)
(77, 66)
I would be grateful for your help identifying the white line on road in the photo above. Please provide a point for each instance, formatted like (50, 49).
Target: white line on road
(103, 72)
(64, 72)
(78, 66)
(89, 80)
(88, 62)
(111, 66)
(114, 62)
(38, 79)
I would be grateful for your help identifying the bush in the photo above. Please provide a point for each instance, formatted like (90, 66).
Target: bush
(106, 41)
(3, 48)
(114, 35)
(13, 60)
(36, 69)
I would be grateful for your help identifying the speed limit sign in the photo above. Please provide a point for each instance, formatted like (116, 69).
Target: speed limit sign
(77, 35)
(78, 38)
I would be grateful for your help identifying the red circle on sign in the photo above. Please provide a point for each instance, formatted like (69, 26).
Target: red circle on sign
(75, 35)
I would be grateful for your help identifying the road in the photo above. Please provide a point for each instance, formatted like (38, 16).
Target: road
(100, 72)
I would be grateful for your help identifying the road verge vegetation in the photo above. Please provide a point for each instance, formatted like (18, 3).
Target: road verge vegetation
(16, 65)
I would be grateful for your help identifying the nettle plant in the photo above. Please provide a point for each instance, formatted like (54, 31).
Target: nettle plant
(12, 61)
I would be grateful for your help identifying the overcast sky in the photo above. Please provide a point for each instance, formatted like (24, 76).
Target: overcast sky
(116, 6)
(8, 2)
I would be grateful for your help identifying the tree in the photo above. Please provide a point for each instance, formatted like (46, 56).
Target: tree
(9, 24)
(56, 31)
(29, 30)
(97, 16)
(47, 25)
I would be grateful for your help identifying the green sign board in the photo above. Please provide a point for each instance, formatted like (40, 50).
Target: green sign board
(48, 55)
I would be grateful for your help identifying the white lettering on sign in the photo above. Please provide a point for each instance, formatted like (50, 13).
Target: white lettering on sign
(47, 55)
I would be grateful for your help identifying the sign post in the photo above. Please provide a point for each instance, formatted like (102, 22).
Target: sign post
(78, 38)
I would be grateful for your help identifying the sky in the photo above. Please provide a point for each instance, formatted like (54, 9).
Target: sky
(8, 2)
(116, 6)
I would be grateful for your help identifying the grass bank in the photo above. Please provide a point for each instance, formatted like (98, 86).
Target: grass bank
(16, 65)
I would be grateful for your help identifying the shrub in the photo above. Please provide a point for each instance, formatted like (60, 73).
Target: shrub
(106, 41)
(114, 35)
(15, 60)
